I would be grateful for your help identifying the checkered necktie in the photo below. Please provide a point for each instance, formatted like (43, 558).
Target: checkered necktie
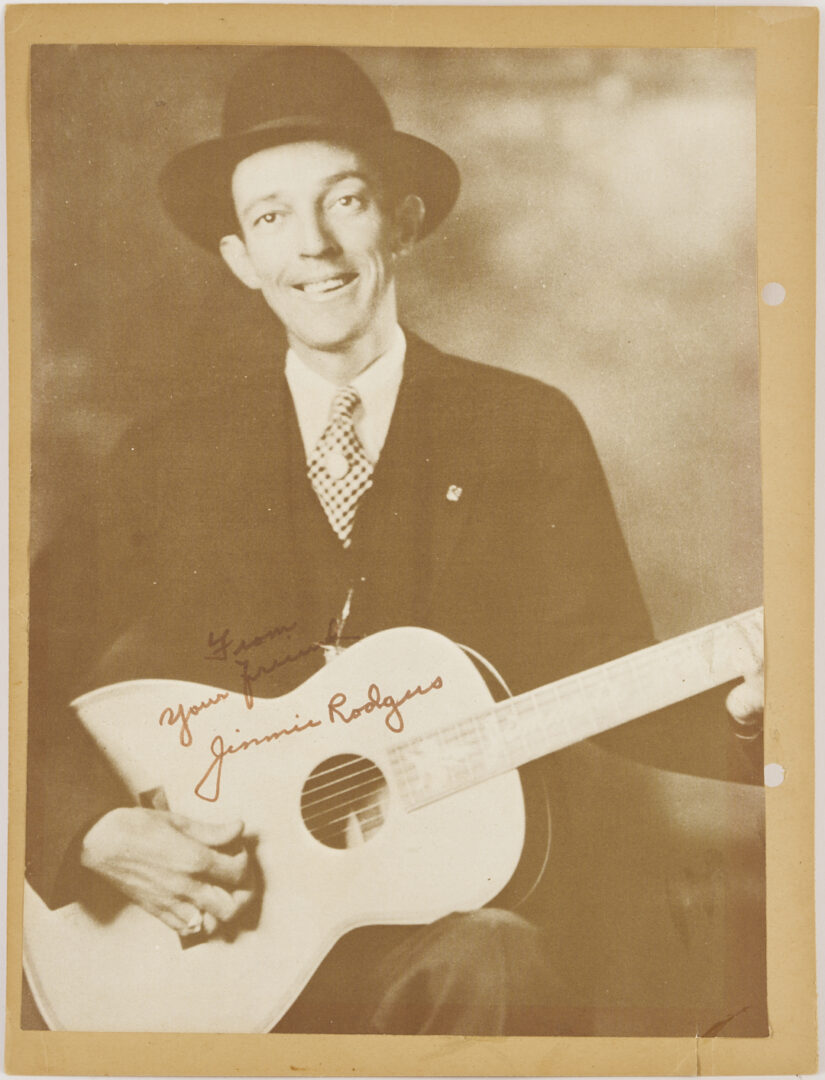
(339, 469)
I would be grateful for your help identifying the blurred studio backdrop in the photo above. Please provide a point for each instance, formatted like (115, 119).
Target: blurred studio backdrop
(604, 241)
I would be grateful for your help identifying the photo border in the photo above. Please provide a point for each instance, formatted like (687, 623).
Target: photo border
(785, 41)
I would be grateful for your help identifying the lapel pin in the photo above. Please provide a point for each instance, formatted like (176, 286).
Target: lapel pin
(454, 493)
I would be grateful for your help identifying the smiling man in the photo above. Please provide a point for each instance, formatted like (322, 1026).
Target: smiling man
(370, 481)
(320, 237)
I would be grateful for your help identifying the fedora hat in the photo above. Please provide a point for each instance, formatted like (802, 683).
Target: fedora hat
(294, 94)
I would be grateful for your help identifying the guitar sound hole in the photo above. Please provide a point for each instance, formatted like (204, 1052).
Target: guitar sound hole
(343, 801)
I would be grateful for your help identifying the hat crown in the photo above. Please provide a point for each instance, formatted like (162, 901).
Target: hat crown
(312, 82)
(291, 94)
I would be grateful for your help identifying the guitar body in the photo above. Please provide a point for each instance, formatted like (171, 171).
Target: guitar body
(334, 837)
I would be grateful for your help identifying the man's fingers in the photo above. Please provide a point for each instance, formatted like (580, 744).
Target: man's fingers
(166, 863)
(213, 834)
(747, 700)
(215, 900)
(182, 917)
(241, 897)
(185, 919)
(227, 869)
(193, 919)
(218, 902)
(170, 918)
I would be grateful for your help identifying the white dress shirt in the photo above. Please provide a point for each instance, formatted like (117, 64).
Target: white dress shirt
(377, 388)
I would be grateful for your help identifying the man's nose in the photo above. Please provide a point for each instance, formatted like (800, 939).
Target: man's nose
(316, 236)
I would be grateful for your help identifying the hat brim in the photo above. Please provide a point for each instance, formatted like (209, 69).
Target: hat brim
(195, 186)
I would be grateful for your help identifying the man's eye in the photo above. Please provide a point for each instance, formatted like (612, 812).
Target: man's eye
(269, 218)
(350, 202)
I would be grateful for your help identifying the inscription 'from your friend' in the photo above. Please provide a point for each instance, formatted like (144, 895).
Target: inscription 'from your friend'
(208, 787)
(223, 646)
(171, 716)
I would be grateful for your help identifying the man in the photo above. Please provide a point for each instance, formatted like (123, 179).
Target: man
(372, 482)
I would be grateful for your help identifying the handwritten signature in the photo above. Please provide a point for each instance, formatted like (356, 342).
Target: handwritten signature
(394, 720)
(171, 716)
(208, 787)
(222, 643)
(219, 751)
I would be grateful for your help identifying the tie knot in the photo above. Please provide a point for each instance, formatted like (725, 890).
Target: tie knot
(345, 403)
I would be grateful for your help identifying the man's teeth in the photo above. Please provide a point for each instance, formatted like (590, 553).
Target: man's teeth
(323, 286)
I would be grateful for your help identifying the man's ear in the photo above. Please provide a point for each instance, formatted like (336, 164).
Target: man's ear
(236, 257)
(409, 217)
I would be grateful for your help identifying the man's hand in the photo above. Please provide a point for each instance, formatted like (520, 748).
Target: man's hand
(167, 863)
(746, 703)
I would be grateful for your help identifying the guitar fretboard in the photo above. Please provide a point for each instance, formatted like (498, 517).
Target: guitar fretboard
(523, 728)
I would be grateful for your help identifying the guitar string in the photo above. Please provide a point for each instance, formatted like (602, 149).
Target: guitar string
(363, 786)
(356, 796)
(555, 726)
(332, 837)
(367, 808)
(332, 783)
(348, 766)
(352, 758)
(350, 809)
(307, 801)
(500, 711)
(360, 790)
(469, 726)
(469, 732)
(337, 769)
(349, 805)
(649, 655)
(365, 764)
(432, 738)
(312, 795)
(352, 803)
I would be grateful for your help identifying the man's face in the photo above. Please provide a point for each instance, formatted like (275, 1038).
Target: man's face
(317, 239)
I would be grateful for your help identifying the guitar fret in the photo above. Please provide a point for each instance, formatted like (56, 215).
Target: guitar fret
(560, 710)
(555, 729)
(577, 707)
(529, 713)
(587, 697)
(512, 730)
(614, 701)
(593, 688)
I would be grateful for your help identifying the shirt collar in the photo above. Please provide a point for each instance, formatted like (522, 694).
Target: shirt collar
(377, 388)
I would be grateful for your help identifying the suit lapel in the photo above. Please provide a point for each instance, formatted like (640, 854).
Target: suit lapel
(266, 476)
(425, 465)
(425, 483)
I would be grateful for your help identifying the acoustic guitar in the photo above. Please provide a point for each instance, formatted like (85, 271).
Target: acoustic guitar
(383, 790)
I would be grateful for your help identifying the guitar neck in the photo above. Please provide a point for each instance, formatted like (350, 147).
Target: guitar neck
(523, 728)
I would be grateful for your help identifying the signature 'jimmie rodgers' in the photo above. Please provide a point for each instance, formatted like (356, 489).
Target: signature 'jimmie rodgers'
(208, 787)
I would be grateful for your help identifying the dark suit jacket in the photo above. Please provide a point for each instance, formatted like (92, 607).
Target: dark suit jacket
(205, 522)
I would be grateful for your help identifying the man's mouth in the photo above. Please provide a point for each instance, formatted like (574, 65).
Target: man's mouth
(326, 285)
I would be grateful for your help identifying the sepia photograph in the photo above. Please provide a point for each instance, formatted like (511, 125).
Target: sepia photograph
(396, 571)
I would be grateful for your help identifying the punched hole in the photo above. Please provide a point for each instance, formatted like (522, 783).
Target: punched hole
(773, 293)
(774, 775)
